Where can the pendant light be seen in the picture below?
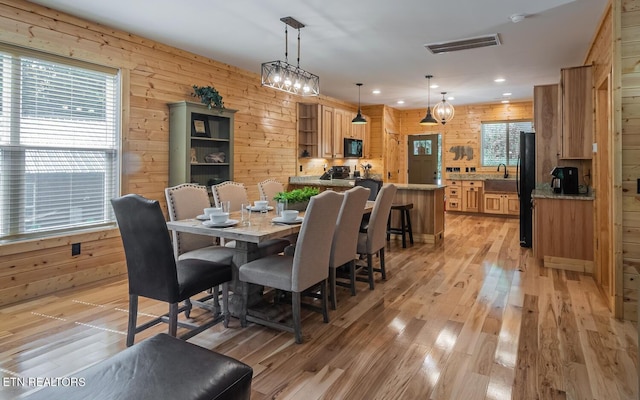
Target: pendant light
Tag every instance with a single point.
(443, 111)
(428, 119)
(359, 119)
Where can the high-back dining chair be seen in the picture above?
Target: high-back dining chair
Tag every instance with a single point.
(269, 189)
(306, 268)
(188, 201)
(373, 240)
(153, 271)
(345, 240)
(373, 185)
(236, 194)
(233, 192)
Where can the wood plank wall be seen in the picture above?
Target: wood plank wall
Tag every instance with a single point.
(630, 77)
(464, 129)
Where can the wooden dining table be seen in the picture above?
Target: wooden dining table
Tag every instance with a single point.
(247, 238)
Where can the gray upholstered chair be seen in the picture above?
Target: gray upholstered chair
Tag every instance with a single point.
(269, 189)
(153, 271)
(306, 268)
(236, 194)
(373, 185)
(345, 240)
(373, 240)
(188, 201)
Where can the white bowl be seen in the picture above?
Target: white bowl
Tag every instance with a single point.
(289, 215)
(219, 218)
(212, 210)
(261, 204)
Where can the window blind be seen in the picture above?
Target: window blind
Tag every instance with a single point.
(59, 144)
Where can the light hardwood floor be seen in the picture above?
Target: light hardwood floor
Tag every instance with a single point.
(473, 318)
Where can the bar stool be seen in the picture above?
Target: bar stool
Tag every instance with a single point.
(405, 221)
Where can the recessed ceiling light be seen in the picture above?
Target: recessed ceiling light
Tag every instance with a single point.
(400, 101)
(375, 91)
(505, 101)
(451, 98)
(434, 86)
(499, 80)
(506, 94)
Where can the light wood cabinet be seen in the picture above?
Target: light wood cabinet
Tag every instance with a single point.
(453, 193)
(200, 144)
(309, 130)
(563, 230)
(546, 110)
(501, 203)
(472, 196)
(576, 87)
(326, 139)
(341, 129)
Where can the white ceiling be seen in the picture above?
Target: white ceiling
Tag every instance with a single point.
(379, 43)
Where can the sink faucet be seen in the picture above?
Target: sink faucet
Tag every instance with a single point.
(506, 173)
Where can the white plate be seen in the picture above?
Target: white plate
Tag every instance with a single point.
(203, 217)
(253, 208)
(211, 224)
(280, 220)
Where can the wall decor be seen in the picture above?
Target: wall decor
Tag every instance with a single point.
(462, 152)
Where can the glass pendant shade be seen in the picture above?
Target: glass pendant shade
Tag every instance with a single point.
(359, 119)
(443, 111)
(428, 119)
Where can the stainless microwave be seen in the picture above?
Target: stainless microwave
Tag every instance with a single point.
(352, 148)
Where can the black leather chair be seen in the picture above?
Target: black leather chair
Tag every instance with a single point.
(153, 271)
(161, 367)
(373, 185)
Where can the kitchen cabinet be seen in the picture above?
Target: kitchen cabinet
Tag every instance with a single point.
(472, 196)
(576, 87)
(453, 194)
(546, 105)
(200, 144)
(327, 138)
(501, 203)
(341, 128)
(309, 130)
(563, 232)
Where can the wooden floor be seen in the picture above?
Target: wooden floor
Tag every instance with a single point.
(472, 318)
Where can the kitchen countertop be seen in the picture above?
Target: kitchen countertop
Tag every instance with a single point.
(315, 181)
(545, 192)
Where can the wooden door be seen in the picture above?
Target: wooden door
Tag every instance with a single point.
(493, 203)
(470, 199)
(423, 158)
(512, 204)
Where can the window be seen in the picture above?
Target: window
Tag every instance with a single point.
(59, 135)
(501, 142)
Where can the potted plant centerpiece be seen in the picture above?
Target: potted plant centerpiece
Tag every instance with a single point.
(297, 199)
(208, 96)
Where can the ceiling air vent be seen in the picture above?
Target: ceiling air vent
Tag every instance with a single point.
(464, 44)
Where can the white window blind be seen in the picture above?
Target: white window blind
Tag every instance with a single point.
(59, 135)
(501, 142)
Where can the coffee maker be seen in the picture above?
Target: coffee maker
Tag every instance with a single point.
(565, 180)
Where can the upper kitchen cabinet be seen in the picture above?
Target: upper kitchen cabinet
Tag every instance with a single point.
(309, 130)
(200, 144)
(546, 105)
(577, 113)
(362, 132)
(326, 139)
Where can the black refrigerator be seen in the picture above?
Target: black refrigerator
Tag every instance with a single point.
(526, 182)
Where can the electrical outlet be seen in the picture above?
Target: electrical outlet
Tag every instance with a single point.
(300, 167)
(638, 187)
(75, 249)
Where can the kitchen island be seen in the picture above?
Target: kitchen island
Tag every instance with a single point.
(427, 215)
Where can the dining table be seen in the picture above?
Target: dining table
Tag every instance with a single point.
(262, 227)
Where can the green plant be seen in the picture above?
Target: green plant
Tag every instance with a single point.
(208, 95)
(297, 195)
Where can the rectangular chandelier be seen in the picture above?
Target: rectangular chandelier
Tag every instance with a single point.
(281, 75)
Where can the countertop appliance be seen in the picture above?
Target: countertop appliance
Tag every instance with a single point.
(526, 183)
(337, 172)
(565, 180)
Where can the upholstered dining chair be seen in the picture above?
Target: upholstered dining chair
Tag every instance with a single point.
(236, 194)
(306, 268)
(373, 240)
(269, 189)
(153, 271)
(345, 240)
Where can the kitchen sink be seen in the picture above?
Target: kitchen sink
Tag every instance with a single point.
(500, 185)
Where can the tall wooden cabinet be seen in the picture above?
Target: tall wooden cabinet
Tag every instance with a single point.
(200, 144)
(576, 87)
(546, 107)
